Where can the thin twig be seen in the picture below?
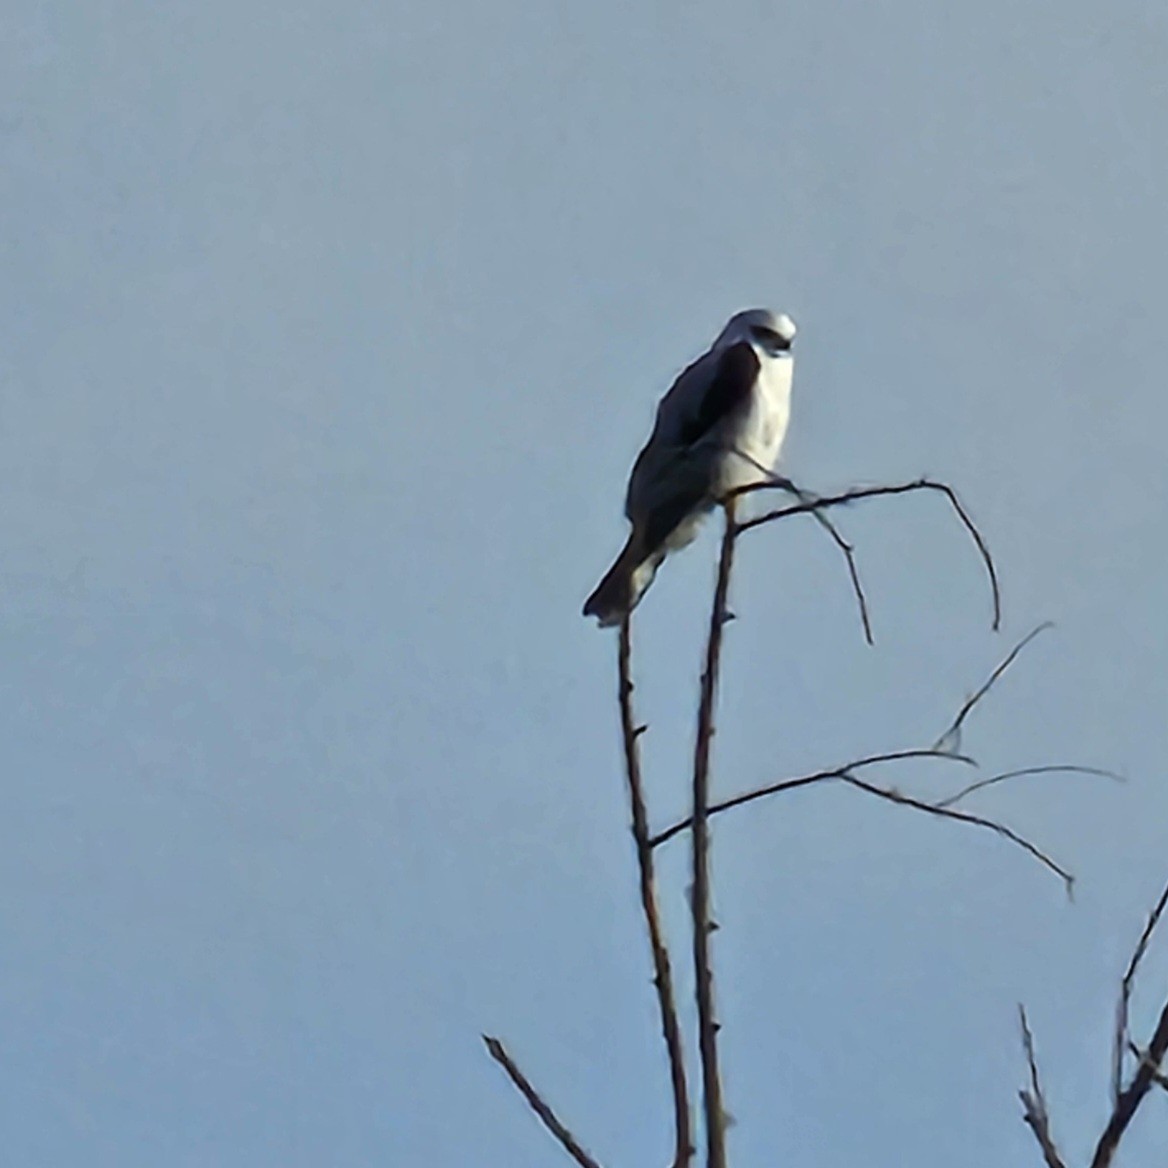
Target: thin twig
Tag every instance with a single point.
(965, 817)
(844, 775)
(943, 750)
(837, 538)
(826, 502)
(1005, 776)
(952, 736)
(1125, 992)
(662, 970)
(535, 1101)
(1034, 1102)
(806, 781)
(1142, 1057)
(700, 896)
(849, 552)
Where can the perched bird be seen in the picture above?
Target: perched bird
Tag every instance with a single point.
(719, 427)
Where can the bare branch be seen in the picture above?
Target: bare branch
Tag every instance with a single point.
(1125, 992)
(715, 1115)
(1001, 829)
(952, 736)
(844, 774)
(837, 538)
(1142, 944)
(1142, 1057)
(827, 502)
(943, 750)
(1005, 776)
(535, 1101)
(849, 552)
(1148, 1072)
(1133, 1095)
(1034, 1102)
(662, 970)
(808, 780)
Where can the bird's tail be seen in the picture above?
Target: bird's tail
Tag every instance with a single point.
(624, 583)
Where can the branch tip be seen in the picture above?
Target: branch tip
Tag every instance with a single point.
(536, 1102)
(818, 505)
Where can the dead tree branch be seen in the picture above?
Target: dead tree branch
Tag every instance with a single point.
(1126, 986)
(1055, 768)
(535, 1101)
(894, 796)
(837, 538)
(703, 925)
(1127, 1099)
(1133, 1095)
(1148, 1070)
(662, 969)
(1142, 1056)
(1034, 1110)
(946, 749)
(827, 502)
(951, 738)
(942, 808)
(807, 781)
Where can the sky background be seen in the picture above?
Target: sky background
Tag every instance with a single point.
(328, 334)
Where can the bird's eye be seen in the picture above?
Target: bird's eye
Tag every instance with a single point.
(770, 338)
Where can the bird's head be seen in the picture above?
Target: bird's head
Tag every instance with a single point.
(772, 332)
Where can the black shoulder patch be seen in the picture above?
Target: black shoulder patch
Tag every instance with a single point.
(727, 392)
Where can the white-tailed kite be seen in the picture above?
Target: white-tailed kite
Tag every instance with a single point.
(719, 427)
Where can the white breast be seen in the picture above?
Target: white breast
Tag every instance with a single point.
(759, 436)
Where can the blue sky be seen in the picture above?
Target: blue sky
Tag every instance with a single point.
(328, 336)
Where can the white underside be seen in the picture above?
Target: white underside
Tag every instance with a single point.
(751, 447)
(745, 451)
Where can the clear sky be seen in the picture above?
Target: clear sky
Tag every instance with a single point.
(328, 333)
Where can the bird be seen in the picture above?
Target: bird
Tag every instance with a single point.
(720, 427)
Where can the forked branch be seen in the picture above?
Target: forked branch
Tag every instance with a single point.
(820, 504)
(942, 808)
(946, 749)
(951, 738)
(1147, 1072)
(824, 521)
(697, 823)
(807, 781)
(1126, 987)
(1126, 1097)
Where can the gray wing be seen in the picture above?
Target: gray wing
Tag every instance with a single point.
(669, 473)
